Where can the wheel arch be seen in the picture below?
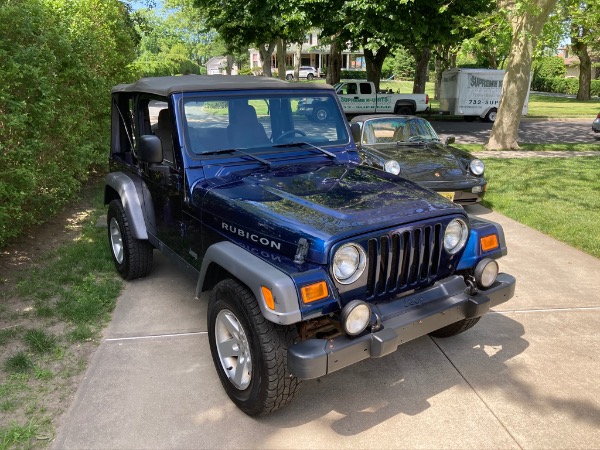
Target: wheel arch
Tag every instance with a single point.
(404, 103)
(227, 260)
(119, 186)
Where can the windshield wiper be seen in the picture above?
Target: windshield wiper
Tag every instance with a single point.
(234, 150)
(298, 144)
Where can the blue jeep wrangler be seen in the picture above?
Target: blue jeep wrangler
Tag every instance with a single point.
(314, 262)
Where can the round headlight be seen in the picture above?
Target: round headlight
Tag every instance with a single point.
(455, 236)
(349, 263)
(477, 167)
(392, 166)
(355, 317)
(486, 272)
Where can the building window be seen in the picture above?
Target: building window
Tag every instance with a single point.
(356, 62)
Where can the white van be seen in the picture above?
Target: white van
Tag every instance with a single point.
(473, 93)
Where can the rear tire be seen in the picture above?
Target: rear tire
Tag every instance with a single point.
(249, 352)
(404, 111)
(132, 257)
(456, 328)
(310, 76)
(491, 115)
(289, 77)
(320, 114)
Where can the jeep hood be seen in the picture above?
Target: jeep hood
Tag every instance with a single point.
(323, 204)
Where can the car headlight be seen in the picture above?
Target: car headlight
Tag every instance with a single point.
(477, 167)
(392, 166)
(349, 263)
(486, 273)
(455, 236)
(355, 317)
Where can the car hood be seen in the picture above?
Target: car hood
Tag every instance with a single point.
(425, 162)
(275, 208)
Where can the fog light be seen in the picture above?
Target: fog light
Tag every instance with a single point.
(356, 315)
(477, 189)
(486, 272)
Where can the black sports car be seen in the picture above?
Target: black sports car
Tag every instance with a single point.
(409, 147)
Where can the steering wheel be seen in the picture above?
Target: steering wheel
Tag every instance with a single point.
(288, 134)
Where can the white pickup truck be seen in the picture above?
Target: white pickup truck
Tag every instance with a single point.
(359, 97)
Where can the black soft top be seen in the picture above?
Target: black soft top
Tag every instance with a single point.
(202, 83)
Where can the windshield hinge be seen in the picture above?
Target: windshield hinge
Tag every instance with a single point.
(301, 251)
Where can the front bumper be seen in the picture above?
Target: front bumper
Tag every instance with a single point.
(402, 320)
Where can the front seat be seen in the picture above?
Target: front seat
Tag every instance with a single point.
(164, 131)
(244, 129)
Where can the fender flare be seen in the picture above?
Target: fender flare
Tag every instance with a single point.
(255, 273)
(129, 194)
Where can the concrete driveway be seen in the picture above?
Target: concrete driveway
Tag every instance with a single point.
(525, 377)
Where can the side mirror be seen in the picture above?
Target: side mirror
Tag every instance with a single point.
(449, 140)
(150, 149)
(355, 128)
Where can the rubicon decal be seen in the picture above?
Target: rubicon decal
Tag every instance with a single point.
(251, 236)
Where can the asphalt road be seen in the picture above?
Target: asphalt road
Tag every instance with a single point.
(530, 131)
(526, 377)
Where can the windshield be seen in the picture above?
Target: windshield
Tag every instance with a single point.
(265, 120)
(398, 129)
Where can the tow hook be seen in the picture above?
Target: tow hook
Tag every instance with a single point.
(471, 285)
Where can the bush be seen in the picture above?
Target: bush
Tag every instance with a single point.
(561, 85)
(59, 62)
(546, 73)
(353, 75)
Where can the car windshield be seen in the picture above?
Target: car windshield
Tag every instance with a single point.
(259, 122)
(398, 129)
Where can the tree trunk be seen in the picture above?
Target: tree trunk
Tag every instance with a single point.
(229, 65)
(334, 70)
(580, 48)
(526, 27)
(265, 52)
(281, 57)
(422, 57)
(491, 57)
(438, 63)
(375, 63)
(297, 60)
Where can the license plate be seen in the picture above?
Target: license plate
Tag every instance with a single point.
(448, 195)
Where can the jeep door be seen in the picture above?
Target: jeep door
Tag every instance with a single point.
(164, 180)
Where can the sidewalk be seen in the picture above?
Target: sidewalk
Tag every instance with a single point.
(524, 377)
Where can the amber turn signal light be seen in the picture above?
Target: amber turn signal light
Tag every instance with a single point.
(268, 296)
(314, 292)
(489, 242)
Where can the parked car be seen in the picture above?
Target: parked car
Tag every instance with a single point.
(313, 261)
(596, 124)
(408, 146)
(307, 72)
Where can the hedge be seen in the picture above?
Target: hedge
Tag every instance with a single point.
(59, 60)
(561, 85)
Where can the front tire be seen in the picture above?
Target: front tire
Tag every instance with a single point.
(132, 257)
(289, 77)
(456, 328)
(310, 76)
(248, 351)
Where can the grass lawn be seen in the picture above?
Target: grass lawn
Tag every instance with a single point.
(546, 106)
(51, 315)
(566, 147)
(557, 196)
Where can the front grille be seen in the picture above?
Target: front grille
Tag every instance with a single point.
(403, 260)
